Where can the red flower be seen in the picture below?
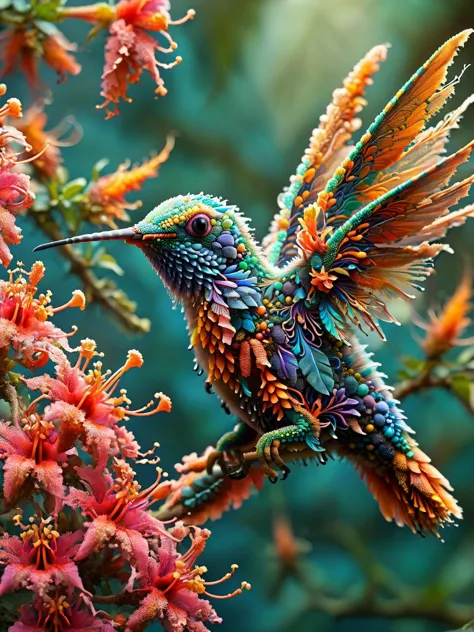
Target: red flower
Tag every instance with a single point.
(18, 51)
(24, 323)
(22, 47)
(130, 49)
(118, 512)
(31, 453)
(56, 49)
(56, 615)
(15, 195)
(39, 559)
(175, 585)
(86, 406)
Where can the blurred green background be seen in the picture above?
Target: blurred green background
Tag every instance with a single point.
(256, 76)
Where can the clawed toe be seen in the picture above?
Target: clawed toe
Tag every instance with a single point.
(270, 459)
(285, 472)
(216, 456)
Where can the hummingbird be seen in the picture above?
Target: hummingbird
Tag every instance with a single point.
(276, 327)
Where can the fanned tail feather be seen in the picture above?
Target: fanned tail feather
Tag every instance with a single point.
(410, 491)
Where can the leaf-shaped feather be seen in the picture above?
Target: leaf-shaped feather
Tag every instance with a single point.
(314, 365)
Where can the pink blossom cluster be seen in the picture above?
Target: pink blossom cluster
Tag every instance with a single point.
(82, 535)
(15, 193)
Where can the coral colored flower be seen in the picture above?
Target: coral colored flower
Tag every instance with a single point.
(22, 48)
(15, 195)
(322, 280)
(445, 331)
(175, 586)
(24, 323)
(186, 500)
(39, 559)
(57, 615)
(106, 197)
(312, 238)
(117, 509)
(86, 406)
(130, 50)
(30, 454)
(45, 144)
(56, 53)
(17, 51)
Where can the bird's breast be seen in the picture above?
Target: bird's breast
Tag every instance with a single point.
(222, 390)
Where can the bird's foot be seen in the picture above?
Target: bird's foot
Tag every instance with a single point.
(237, 468)
(268, 446)
(229, 452)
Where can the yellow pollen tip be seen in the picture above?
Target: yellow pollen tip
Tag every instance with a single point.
(15, 109)
(37, 272)
(78, 300)
(88, 348)
(134, 359)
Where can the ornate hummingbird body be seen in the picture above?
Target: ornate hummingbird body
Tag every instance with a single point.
(275, 328)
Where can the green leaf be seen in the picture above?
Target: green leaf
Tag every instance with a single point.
(463, 388)
(403, 375)
(466, 356)
(97, 168)
(73, 187)
(70, 215)
(414, 364)
(108, 262)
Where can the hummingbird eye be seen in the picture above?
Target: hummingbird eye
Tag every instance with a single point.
(199, 226)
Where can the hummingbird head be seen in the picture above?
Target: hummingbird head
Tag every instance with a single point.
(189, 239)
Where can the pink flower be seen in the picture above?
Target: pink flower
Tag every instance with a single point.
(24, 323)
(57, 615)
(175, 587)
(15, 196)
(118, 512)
(30, 453)
(86, 406)
(39, 559)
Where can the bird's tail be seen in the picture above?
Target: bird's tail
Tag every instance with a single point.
(409, 490)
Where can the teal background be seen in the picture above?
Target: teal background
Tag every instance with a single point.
(256, 76)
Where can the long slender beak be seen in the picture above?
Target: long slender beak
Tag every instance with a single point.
(125, 234)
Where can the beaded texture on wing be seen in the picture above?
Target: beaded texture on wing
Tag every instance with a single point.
(366, 239)
(327, 147)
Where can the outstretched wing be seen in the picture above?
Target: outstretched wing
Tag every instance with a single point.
(358, 180)
(393, 150)
(383, 250)
(327, 148)
(367, 237)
